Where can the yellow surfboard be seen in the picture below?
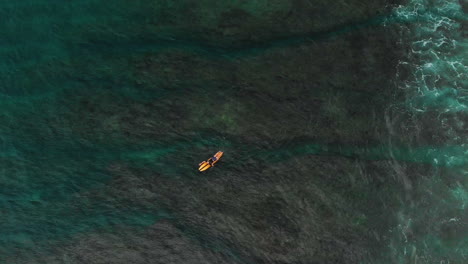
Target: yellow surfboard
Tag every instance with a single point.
(204, 165)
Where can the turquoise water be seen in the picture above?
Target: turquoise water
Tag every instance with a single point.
(343, 126)
(436, 96)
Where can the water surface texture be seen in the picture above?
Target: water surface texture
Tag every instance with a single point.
(344, 127)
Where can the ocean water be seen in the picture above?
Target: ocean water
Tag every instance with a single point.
(343, 126)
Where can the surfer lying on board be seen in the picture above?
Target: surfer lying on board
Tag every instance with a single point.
(204, 165)
(212, 160)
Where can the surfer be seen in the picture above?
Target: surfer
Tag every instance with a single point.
(204, 165)
(212, 161)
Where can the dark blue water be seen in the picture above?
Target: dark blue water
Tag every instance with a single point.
(343, 127)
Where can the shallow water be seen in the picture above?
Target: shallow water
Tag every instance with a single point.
(343, 127)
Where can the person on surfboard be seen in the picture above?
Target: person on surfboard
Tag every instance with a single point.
(204, 165)
(212, 160)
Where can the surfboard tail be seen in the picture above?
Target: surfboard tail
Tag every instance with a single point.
(204, 166)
